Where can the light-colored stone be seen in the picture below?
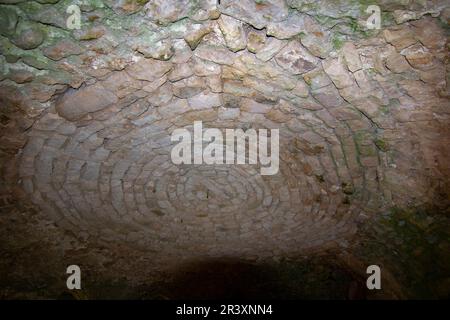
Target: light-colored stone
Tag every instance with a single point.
(196, 34)
(251, 106)
(166, 11)
(233, 33)
(256, 13)
(271, 47)
(316, 78)
(205, 100)
(215, 54)
(160, 50)
(351, 57)
(255, 40)
(295, 59)
(338, 73)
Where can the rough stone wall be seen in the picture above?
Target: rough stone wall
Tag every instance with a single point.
(86, 118)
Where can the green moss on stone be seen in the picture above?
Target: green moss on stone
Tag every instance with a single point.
(338, 42)
(415, 245)
(381, 144)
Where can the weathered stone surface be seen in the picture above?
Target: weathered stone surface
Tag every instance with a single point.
(121, 84)
(312, 35)
(369, 107)
(167, 11)
(397, 63)
(277, 116)
(62, 49)
(161, 95)
(271, 47)
(233, 33)
(20, 76)
(160, 50)
(215, 83)
(400, 39)
(182, 51)
(418, 56)
(189, 87)
(351, 57)
(295, 59)
(255, 40)
(204, 68)
(338, 73)
(90, 33)
(149, 69)
(300, 89)
(316, 79)
(328, 96)
(49, 15)
(429, 33)
(402, 16)
(215, 54)
(196, 34)
(228, 113)
(8, 21)
(205, 100)
(336, 9)
(180, 71)
(363, 81)
(125, 6)
(288, 28)
(256, 13)
(252, 106)
(75, 104)
(163, 11)
(28, 35)
(153, 86)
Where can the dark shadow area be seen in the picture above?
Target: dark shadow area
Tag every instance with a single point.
(234, 279)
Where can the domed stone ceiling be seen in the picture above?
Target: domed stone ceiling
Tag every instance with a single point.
(88, 113)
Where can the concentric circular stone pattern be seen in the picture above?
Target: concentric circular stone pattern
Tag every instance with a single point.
(87, 117)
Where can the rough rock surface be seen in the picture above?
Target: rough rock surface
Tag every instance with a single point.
(75, 104)
(86, 117)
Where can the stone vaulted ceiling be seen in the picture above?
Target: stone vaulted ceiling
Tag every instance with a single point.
(87, 114)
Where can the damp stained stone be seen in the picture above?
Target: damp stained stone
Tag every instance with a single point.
(62, 49)
(8, 21)
(28, 35)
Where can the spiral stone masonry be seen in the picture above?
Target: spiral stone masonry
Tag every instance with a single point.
(87, 116)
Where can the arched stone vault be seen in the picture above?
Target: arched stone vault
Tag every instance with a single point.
(87, 116)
